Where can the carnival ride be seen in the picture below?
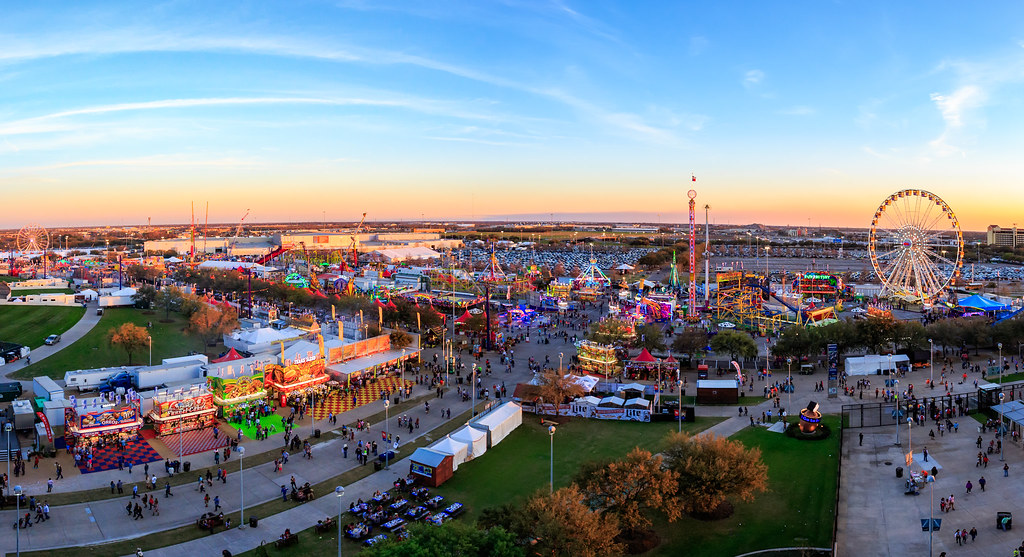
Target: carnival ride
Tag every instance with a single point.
(33, 237)
(910, 234)
(741, 299)
(591, 282)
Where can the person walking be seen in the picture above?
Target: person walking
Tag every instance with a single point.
(206, 500)
(1006, 470)
(981, 483)
(969, 486)
(216, 503)
(167, 490)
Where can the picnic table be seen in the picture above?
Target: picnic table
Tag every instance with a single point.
(324, 525)
(397, 506)
(434, 502)
(357, 532)
(383, 497)
(439, 518)
(420, 493)
(393, 524)
(454, 509)
(210, 520)
(375, 540)
(416, 512)
(285, 541)
(360, 508)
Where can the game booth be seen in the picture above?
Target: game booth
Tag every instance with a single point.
(431, 468)
(103, 420)
(183, 409)
(301, 372)
(643, 366)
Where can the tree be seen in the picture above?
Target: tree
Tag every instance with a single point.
(452, 539)
(208, 323)
(168, 299)
(610, 331)
(690, 342)
(558, 524)
(736, 344)
(628, 488)
(129, 337)
(555, 388)
(710, 468)
(400, 339)
(144, 297)
(650, 337)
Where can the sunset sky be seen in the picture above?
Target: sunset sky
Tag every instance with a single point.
(787, 112)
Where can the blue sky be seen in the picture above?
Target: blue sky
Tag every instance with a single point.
(787, 112)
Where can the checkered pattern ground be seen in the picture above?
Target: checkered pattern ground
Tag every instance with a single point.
(196, 441)
(138, 452)
(338, 403)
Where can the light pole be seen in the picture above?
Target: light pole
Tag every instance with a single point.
(680, 409)
(931, 511)
(387, 431)
(910, 442)
(999, 432)
(448, 362)
(551, 435)
(339, 492)
(241, 484)
(931, 362)
(789, 366)
(896, 399)
(8, 427)
(472, 387)
(559, 363)
(401, 366)
(1000, 362)
(150, 337)
(17, 529)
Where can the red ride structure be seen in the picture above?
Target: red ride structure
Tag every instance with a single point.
(691, 309)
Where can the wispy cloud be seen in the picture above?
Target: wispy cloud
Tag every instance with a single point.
(953, 108)
(152, 161)
(798, 110)
(752, 78)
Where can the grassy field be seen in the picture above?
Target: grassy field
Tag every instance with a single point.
(93, 350)
(797, 511)
(30, 325)
(30, 291)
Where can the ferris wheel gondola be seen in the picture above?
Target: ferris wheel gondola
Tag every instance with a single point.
(915, 245)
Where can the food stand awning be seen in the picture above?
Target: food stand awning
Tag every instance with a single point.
(644, 357)
(359, 365)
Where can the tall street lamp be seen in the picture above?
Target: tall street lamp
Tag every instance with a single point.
(387, 430)
(999, 432)
(339, 492)
(679, 411)
(241, 484)
(150, 337)
(472, 387)
(789, 366)
(931, 362)
(896, 399)
(559, 363)
(17, 528)
(8, 427)
(551, 434)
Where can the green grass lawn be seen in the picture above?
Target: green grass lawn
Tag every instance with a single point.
(30, 325)
(93, 350)
(29, 291)
(798, 510)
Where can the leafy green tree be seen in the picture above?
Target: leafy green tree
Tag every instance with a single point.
(691, 342)
(734, 343)
(169, 299)
(630, 488)
(144, 296)
(650, 337)
(877, 334)
(129, 337)
(452, 539)
(611, 331)
(710, 468)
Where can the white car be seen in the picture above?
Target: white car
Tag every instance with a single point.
(51, 340)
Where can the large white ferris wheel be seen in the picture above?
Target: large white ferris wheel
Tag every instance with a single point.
(915, 244)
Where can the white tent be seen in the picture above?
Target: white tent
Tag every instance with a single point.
(612, 401)
(475, 438)
(638, 402)
(624, 267)
(875, 364)
(499, 422)
(89, 294)
(457, 449)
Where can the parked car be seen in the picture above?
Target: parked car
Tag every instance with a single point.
(51, 340)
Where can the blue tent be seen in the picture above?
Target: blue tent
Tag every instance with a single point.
(981, 303)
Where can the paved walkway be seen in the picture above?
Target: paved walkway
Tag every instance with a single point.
(84, 325)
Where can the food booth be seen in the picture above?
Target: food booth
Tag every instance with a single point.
(107, 419)
(302, 371)
(183, 409)
(237, 384)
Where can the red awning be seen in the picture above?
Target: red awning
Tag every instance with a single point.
(670, 359)
(464, 317)
(231, 355)
(645, 357)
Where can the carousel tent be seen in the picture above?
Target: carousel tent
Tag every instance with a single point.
(458, 450)
(474, 438)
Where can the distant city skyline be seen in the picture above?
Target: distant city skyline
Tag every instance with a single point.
(115, 113)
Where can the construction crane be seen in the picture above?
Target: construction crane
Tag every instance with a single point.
(238, 230)
(355, 253)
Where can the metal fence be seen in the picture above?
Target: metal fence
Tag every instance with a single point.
(876, 414)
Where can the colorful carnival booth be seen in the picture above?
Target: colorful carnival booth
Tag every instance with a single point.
(238, 384)
(105, 419)
(183, 409)
(643, 366)
(302, 371)
(597, 358)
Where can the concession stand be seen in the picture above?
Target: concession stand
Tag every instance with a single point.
(302, 371)
(104, 419)
(237, 384)
(183, 409)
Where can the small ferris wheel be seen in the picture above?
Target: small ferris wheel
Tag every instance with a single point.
(33, 237)
(915, 245)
